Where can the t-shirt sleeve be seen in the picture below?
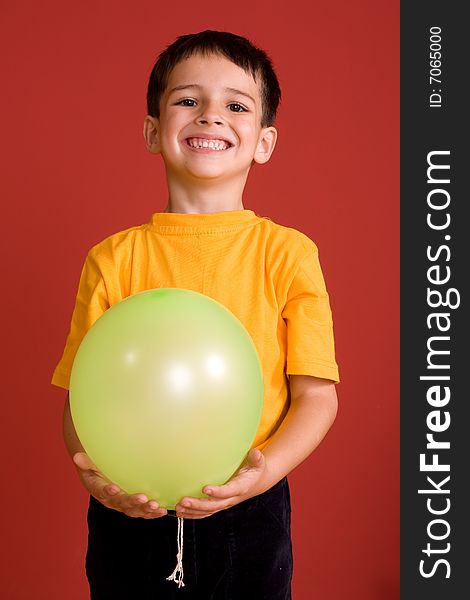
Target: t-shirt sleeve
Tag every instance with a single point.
(91, 303)
(310, 341)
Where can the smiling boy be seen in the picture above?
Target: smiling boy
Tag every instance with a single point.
(209, 133)
(212, 100)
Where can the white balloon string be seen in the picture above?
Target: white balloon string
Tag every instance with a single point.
(177, 575)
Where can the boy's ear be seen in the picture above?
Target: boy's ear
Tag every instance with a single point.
(151, 134)
(267, 141)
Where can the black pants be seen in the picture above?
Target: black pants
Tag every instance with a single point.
(242, 553)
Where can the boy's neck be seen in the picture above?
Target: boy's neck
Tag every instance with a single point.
(204, 198)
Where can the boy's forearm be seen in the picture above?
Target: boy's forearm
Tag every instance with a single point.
(70, 435)
(309, 418)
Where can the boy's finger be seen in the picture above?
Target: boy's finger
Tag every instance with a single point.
(157, 511)
(83, 461)
(190, 506)
(139, 513)
(112, 489)
(126, 501)
(234, 487)
(200, 512)
(138, 499)
(153, 515)
(255, 458)
(147, 510)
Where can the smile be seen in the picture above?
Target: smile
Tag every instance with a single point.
(206, 144)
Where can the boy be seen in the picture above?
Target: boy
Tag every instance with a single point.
(212, 100)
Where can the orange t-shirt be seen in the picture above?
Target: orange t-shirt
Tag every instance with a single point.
(267, 274)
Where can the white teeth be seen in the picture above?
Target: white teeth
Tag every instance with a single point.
(204, 143)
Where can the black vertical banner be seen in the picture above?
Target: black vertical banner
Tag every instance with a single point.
(435, 267)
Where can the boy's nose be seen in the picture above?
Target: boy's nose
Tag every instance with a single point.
(207, 120)
(209, 115)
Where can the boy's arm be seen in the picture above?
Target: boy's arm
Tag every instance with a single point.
(109, 494)
(312, 411)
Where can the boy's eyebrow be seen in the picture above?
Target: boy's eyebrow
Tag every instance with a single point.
(195, 85)
(234, 91)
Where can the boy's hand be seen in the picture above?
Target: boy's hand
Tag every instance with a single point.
(245, 484)
(109, 494)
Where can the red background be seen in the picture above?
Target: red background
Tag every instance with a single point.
(76, 170)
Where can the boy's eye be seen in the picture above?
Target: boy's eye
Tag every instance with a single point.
(187, 102)
(235, 107)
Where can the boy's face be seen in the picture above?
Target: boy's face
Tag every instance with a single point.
(210, 121)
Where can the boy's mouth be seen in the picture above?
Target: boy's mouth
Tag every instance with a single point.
(208, 144)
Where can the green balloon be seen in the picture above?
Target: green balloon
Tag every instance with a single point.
(166, 394)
